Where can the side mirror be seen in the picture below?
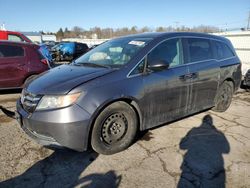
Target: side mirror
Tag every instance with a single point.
(158, 65)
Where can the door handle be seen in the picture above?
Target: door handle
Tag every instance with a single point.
(195, 75)
(188, 76)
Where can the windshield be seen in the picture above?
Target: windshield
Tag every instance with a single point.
(114, 53)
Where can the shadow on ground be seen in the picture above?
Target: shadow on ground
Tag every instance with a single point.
(203, 164)
(63, 169)
(10, 91)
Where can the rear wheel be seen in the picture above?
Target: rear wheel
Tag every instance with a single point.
(224, 97)
(114, 129)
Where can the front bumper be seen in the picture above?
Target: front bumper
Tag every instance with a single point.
(66, 127)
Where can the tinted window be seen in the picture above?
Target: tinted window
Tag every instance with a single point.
(222, 50)
(199, 49)
(11, 51)
(168, 51)
(14, 38)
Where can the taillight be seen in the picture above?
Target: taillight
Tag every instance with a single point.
(44, 61)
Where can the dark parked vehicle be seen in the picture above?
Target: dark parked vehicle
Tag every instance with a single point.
(247, 79)
(129, 84)
(67, 51)
(19, 62)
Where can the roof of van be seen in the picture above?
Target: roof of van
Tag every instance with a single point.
(174, 34)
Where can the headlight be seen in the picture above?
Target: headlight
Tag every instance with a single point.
(52, 102)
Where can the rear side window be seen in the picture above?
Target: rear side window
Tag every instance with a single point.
(15, 38)
(11, 51)
(222, 50)
(199, 49)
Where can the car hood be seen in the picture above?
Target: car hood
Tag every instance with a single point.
(64, 78)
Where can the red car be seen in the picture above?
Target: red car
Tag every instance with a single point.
(13, 36)
(19, 61)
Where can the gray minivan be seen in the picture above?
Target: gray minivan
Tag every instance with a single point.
(126, 85)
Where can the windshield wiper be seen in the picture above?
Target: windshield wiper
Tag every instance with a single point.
(91, 65)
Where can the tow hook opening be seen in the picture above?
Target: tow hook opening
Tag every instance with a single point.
(8, 113)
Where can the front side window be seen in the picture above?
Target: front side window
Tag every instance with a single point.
(15, 38)
(168, 51)
(223, 51)
(199, 49)
(114, 53)
(11, 51)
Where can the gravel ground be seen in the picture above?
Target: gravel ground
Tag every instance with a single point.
(205, 150)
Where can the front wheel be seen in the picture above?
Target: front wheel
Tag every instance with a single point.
(114, 129)
(224, 97)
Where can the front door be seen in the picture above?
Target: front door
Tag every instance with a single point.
(166, 91)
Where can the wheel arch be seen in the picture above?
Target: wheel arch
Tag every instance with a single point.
(230, 80)
(129, 100)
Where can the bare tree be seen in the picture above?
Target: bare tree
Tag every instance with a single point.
(78, 32)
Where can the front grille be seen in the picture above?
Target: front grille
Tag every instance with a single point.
(29, 100)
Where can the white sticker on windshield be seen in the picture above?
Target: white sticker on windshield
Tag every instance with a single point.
(137, 43)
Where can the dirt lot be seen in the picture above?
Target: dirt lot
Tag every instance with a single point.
(205, 150)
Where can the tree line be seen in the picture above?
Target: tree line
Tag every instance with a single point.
(106, 33)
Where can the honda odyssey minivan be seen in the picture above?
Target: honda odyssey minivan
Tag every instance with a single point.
(126, 85)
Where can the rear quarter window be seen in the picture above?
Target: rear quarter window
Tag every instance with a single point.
(11, 51)
(222, 51)
(199, 49)
(15, 38)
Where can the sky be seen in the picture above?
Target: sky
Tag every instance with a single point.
(50, 15)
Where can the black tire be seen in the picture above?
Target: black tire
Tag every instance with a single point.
(224, 97)
(114, 129)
